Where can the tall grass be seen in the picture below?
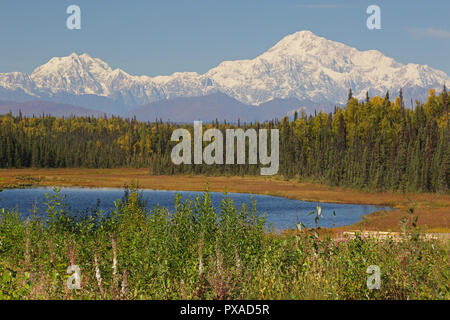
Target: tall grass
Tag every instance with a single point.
(197, 252)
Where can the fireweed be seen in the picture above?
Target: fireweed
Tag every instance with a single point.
(195, 251)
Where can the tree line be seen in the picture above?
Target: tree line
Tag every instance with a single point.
(375, 144)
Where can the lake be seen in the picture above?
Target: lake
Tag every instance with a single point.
(282, 213)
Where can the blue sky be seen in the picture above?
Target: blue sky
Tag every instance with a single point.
(155, 37)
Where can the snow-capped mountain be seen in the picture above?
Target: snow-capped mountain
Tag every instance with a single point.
(301, 66)
(305, 66)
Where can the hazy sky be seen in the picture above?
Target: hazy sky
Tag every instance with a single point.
(161, 37)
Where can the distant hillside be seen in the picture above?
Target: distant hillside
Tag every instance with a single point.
(38, 108)
(219, 106)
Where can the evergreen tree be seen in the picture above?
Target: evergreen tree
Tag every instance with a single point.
(369, 146)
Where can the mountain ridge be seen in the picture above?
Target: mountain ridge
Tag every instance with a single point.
(38, 108)
(221, 107)
(300, 66)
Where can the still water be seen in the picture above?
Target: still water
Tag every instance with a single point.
(280, 212)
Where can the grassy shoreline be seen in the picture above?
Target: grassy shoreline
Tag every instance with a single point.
(202, 252)
(433, 209)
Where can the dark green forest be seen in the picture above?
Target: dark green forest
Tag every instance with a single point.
(375, 144)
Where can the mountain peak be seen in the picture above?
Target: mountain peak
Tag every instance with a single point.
(305, 42)
(82, 57)
(77, 74)
(302, 65)
(303, 35)
(72, 61)
(299, 37)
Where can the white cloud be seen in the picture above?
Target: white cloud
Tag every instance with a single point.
(429, 32)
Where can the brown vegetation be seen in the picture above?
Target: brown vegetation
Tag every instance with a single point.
(433, 209)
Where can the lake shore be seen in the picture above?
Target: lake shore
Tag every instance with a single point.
(433, 210)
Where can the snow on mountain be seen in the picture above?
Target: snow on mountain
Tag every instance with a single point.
(305, 66)
(17, 81)
(302, 66)
(73, 74)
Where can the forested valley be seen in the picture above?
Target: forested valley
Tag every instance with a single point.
(375, 144)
